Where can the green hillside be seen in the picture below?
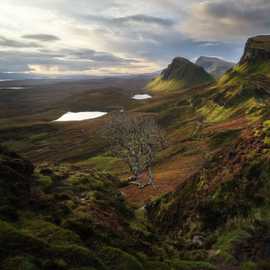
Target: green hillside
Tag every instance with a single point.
(180, 74)
(209, 210)
(224, 208)
(242, 90)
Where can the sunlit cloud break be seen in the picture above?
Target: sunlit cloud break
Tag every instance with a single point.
(109, 37)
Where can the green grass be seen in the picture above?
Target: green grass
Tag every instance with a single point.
(116, 259)
(192, 265)
(154, 265)
(106, 163)
(215, 113)
(158, 84)
(226, 240)
(242, 72)
(266, 131)
(19, 263)
(102, 162)
(249, 266)
(224, 138)
(251, 108)
(241, 91)
(49, 232)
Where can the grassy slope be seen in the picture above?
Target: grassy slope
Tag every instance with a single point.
(180, 76)
(227, 202)
(243, 90)
(177, 113)
(158, 84)
(191, 121)
(28, 129)
(192, 135)
(179, 116)
(228, 206)
(67, 218)
(207, 127)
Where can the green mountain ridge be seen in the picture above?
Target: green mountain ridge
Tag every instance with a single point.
(244, 89)
(256, 49)
(180, 74)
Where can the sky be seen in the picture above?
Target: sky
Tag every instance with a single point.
(108, 37)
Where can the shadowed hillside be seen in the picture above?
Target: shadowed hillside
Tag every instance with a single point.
(215, 66)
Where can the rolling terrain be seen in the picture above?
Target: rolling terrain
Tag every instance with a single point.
(26, 115)
(209, 208)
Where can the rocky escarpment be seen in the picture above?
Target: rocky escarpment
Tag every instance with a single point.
(181, 73)
(244, 89)
(180, 68)
(257, 49)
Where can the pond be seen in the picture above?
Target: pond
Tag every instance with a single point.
(141, 97)
(80, 116)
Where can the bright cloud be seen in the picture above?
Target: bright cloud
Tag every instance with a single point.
(117, 36)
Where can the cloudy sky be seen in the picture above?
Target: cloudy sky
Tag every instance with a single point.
(119, 36)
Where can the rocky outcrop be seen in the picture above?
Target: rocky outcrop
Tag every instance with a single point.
(257, 49)
(180, 74)
(183, 69)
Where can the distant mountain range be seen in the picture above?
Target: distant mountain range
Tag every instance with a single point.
(180, 74)
(215, 66)
(29, 76)
(20, 76)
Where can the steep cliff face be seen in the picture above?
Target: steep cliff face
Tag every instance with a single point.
(181, 68)
(257, 49)
(181, 73)
(245, 89)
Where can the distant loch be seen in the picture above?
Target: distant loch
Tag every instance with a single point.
(79, 116)
(141, 96)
